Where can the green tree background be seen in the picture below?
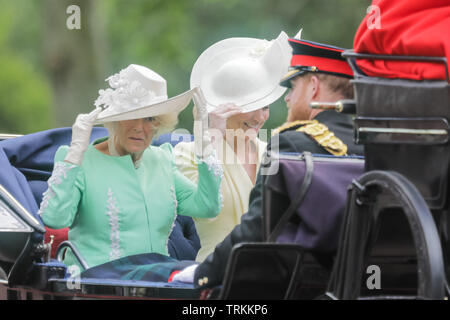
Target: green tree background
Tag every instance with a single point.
(49, 74)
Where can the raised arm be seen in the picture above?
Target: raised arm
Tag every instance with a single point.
(60, 202)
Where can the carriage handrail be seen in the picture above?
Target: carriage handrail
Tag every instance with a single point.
(75, 252)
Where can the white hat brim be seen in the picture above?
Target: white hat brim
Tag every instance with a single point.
(264, 101)
(173, 105)
(211, 59)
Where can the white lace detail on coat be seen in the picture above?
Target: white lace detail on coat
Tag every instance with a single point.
(220, 198)
(113, 214)
(216, 168)
(213, 165)
(59, 172)
(175, 202)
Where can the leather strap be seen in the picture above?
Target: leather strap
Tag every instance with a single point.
(299, 196)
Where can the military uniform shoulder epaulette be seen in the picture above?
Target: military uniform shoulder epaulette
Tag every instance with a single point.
(324, 137)
(291, 126)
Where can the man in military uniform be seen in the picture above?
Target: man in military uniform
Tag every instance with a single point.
(318, 73)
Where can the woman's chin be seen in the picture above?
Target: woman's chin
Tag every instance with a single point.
(252, 132)
(136, 149)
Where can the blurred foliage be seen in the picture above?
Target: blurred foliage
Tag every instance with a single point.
(165, 35)
(25, 94)
(25, 97)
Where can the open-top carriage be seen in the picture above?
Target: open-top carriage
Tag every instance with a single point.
(334, 227)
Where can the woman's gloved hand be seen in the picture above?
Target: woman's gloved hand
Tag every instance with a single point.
(216, 119)
(81, 133)
(219, 116)
(202, 139)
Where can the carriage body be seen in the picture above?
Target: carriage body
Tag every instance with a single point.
(401, 202)
(404, 127)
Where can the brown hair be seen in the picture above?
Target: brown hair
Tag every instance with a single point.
(164, 123)
(336, 84)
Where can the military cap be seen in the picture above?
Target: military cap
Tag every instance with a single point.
(308, 56)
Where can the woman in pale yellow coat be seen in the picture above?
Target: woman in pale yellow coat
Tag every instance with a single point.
(239, 79)
(240, 152)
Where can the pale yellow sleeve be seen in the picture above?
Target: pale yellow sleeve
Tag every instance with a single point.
(185, 160)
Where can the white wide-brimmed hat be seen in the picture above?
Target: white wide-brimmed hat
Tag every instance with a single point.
(243, 71)
(137, 92)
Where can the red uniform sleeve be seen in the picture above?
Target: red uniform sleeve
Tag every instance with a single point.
(405, 27)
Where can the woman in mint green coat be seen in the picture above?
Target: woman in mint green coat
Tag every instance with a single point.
(120, 196)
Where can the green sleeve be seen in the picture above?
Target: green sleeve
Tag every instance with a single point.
(204, 198)
(60, 202)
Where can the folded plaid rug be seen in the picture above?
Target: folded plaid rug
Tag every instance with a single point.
(153, 267)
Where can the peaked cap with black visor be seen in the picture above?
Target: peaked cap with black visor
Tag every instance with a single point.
(308, 56)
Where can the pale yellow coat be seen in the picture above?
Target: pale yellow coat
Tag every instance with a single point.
(235, 187)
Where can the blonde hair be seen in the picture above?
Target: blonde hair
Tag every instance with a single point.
(166, 123)
(163, 124)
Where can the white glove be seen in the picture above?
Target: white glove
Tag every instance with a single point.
(219, 116)
(186, 275)
(81, 132)
(202, 139)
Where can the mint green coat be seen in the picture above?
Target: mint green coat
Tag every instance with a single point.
(114, 210)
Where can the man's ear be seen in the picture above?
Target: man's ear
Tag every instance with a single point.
(315, 87)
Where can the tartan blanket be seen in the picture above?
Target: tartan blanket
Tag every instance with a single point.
(152, 267)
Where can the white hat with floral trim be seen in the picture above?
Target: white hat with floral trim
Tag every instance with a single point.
(243, 71)
(137, 92)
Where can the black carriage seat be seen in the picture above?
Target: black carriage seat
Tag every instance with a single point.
(397, 273)
(404, 127)
(296, 258)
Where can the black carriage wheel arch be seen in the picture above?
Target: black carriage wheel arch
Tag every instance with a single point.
(346, 275)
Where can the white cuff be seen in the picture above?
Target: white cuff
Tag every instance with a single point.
(186, 275)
